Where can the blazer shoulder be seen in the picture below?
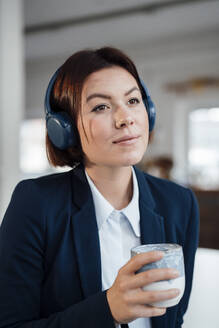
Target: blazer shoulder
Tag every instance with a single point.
(45, 183)
(166, 189)
(41, 192)
(164, 183)
(171, 197)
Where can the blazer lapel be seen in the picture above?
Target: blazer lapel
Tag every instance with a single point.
(151, 225)
(85, 232)
(151, 222)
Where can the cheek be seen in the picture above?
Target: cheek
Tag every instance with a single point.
(93, 132)
(143, 122)
(98, 131)
(81, 128)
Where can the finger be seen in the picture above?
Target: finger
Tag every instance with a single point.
(147, 311)
(147, 297)
(137, 261)
(147, 277)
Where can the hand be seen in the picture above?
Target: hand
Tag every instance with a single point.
(127, 300)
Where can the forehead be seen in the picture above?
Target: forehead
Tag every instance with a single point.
(108, 79)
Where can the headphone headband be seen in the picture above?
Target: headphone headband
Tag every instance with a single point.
(47, 106)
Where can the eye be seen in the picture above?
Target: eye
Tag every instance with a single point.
(99, 108)
(133, 101)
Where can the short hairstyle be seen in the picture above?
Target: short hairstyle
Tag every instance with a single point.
(67, 90)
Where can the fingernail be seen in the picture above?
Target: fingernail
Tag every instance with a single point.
(176, 291)
(159, 253)
(163, 310)
(175, 273)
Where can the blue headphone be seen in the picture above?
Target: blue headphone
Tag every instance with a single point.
(61, 129)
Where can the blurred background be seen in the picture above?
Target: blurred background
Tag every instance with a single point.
(175, 45)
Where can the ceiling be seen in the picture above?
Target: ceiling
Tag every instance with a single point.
(56, 28)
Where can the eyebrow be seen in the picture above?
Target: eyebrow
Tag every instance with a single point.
(100, 95)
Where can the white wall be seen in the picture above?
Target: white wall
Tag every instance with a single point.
(11, 95)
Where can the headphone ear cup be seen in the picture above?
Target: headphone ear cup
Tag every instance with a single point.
(61, 130)
(150, 107)
(151, 113)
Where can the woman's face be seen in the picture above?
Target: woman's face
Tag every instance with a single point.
(113, 125)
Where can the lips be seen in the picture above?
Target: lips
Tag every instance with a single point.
(125, 138)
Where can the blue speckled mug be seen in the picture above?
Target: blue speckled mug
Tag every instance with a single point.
(173, 258)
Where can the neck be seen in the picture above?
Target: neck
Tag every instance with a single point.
(115, 184)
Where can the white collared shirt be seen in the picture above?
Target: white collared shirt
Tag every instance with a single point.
(119, 231)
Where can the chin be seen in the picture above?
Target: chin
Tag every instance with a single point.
(132, 160)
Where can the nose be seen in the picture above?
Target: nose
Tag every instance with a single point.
(123, 118)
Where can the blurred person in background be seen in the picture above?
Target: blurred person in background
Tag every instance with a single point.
(65, 238)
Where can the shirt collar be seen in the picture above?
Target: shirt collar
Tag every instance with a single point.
(131, 211)
(103, 208)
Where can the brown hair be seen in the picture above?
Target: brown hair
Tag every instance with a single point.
(67, 90)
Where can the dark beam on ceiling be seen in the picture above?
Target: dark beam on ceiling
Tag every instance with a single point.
(109, 15)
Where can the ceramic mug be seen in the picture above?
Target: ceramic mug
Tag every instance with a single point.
(173, 258)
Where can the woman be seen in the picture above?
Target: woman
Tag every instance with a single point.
(66, 238)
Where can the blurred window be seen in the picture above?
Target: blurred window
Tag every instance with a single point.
(33, 159)
(204, 148)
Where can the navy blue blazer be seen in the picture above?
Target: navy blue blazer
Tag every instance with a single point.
(50, 267)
